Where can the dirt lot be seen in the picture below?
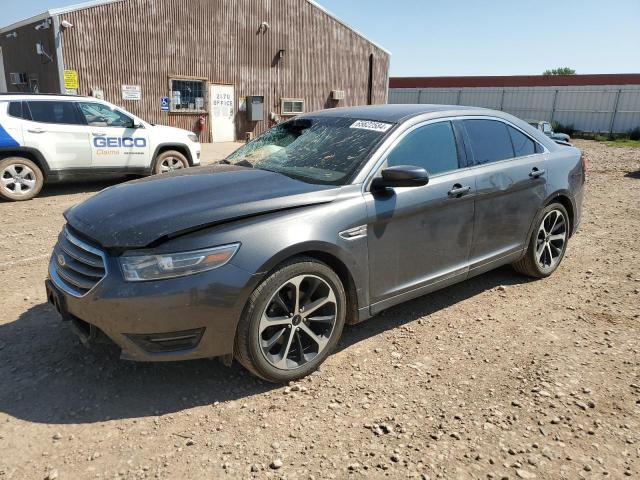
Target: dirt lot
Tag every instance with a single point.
(498, 377)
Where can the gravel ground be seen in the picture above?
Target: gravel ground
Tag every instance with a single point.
(497, 377)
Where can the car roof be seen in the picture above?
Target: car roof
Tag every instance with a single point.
(401, 113)
(398, 113)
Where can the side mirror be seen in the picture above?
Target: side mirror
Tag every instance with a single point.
(136, 124)
(400, 176)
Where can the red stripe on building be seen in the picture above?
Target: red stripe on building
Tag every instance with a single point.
(516, 81)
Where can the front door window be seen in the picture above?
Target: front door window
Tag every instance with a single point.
(432, 147)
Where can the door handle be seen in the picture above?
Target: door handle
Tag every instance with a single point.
(458, 191)
(35, 130)
(99, 134)
(536, 173)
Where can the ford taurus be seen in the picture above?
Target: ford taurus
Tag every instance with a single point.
(324, 220)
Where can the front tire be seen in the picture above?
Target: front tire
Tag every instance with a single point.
(170, 161)
(20, 179)
(292, 322)
(548, 243)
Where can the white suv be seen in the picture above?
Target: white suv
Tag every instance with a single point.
(46, 138)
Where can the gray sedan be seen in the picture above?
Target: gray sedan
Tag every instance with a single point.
(325, 220)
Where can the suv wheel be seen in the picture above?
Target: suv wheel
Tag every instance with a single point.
(20, 179)
(292, 322)
(548, 243)
(169, 161)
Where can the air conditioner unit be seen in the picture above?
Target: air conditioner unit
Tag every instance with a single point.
(338, 95)
(18, 78)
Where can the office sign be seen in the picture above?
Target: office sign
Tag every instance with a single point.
(131, 92)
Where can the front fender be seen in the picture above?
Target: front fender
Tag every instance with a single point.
(353, 261)
(307, 248)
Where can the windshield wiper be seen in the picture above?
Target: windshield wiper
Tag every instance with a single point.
(286, 174)
(270, 170)
(293, 176)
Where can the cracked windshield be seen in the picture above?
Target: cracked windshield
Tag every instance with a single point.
(323, 150)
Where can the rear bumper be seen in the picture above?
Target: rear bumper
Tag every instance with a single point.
(176, 319)
(578, 200)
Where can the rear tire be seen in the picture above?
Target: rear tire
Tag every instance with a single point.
(548, 243)
(279, 341)
(170, 161)
(20, 179)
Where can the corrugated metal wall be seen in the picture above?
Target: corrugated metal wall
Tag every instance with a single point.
(144, 42)
(19, 56)
(589, 109)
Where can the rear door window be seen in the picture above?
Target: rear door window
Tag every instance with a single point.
(432, 147)
(522, 145)
(55, 112)
(490, 141)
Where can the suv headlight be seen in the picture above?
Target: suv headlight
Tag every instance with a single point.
(141, 268)
(193, 137)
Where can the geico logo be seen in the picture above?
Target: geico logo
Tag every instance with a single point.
(102, 142)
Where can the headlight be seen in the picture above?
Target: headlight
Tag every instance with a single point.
(140, 268)
(193, 137)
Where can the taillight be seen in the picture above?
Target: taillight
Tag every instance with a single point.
(583, 161)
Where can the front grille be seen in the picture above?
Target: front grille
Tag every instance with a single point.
(77, 266)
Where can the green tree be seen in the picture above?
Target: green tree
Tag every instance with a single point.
(560, 71)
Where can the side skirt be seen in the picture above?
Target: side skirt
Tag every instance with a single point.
(417, 292)
(374, 309)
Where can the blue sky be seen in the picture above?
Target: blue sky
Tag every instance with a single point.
(477, 37)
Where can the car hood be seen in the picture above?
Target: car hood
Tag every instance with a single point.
(138, 213)
(163, 130)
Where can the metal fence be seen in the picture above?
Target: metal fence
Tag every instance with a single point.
(603, 109)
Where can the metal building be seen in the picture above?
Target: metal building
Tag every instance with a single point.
(588, 103)
(232, 66)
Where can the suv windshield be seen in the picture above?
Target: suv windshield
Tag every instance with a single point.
(325, 150)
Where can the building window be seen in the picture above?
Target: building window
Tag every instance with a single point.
(187, 95)
(292, 106)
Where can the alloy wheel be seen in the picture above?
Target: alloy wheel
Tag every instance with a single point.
(551, 240)
(297, 322)
(18, 179)
(170, 164)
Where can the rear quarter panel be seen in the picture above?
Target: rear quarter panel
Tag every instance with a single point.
(566, 178)
(10, 129)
